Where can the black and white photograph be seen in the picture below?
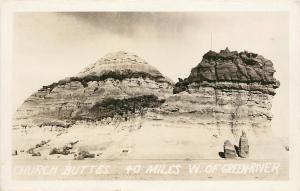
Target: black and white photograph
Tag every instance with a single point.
(146, 95)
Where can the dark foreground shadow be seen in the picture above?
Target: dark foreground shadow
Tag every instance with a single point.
(222, 155)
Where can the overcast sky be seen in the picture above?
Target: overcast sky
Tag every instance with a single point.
(51, 46)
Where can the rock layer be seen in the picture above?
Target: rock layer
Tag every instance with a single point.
(119, 76)
(140, 117)
(232, 70)
(227, 90)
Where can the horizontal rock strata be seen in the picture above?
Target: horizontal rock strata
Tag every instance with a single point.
(68, 99)
(226, 90)
(229, 89)
(232, 70)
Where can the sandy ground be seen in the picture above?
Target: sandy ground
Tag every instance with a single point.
(128, 144)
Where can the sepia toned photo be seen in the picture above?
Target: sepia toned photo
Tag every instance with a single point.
(149, 95)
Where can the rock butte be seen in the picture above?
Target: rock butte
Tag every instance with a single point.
(117, 78)
(228, 91)
(121, 62)
(232, 70)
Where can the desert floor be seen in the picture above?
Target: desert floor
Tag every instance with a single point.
(151, 151)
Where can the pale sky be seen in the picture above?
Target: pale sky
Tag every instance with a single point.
(51, 46)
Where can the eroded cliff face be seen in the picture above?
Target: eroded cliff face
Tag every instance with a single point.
(241, 71)
(122, 103)
(227, 90)
(116, 78)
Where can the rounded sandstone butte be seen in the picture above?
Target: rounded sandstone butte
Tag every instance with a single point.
(118, 78)
(228, 68)
(123, 64)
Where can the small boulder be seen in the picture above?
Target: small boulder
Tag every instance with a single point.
(67, 147)
(65, 151)
(30, 151)
(14, 153)
(83, 154)
(243, 146)
(36, 154)
(125, 151)
(43, 142)
(98, 154)
(54, 151)
(229, 150)
(79, 157)
(287, 148)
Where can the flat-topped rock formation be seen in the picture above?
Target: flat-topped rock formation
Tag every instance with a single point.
(226, 90)
(232, 70)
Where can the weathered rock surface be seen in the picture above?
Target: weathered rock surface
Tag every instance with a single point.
(109, 84)
(227, 90)
(243, 146)
(244, 70)
(83, 154)
(229, 150)
(122, 107)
